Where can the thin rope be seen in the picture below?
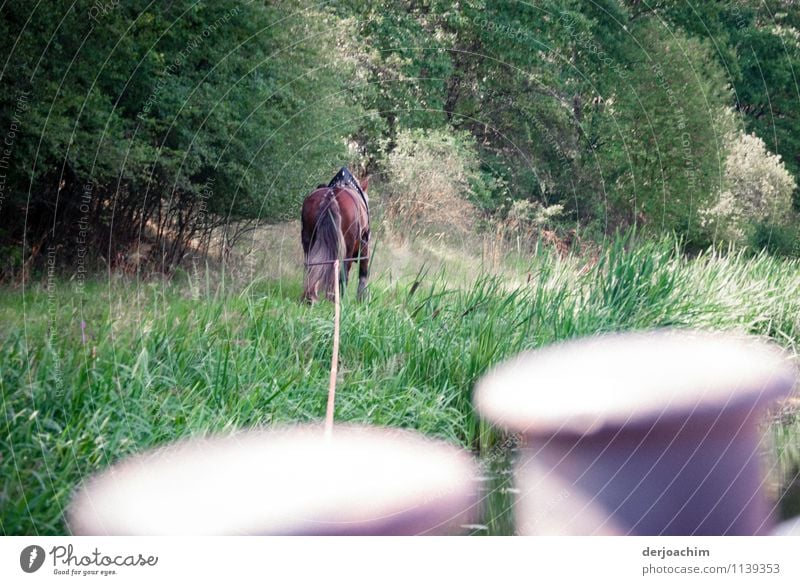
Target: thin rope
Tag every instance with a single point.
(334, 358)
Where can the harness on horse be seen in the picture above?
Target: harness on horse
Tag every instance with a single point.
(346, 178)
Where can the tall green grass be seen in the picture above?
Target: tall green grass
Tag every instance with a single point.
(164, 361)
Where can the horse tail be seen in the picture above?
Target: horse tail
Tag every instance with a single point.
(326, 247)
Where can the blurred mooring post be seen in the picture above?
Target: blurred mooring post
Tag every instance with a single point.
(640, 433)
(294, 480)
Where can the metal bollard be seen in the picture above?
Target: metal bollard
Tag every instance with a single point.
(360, 481)
(640, 433)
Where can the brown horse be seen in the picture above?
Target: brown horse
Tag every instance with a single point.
(335, 225)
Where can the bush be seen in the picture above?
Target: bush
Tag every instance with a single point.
(755, 206)
(427, 181)
(778, 240)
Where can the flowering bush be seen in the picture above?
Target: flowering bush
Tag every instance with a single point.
(428, 175)
(757, 190)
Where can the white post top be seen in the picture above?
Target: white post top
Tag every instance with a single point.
(285, 481)
(632, 380)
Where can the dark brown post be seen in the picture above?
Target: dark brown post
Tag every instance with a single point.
(640, 433)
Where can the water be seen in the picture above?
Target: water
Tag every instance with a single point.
(497, 494)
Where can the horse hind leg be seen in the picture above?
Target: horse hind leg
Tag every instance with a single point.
(311, 294)
(344, 277)
(363, 270)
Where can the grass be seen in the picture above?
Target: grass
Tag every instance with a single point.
(163, 361)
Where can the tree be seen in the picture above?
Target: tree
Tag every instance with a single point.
(662, 132)
(162, 122)
(757, 45)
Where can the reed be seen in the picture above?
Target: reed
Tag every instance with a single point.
(155, 363)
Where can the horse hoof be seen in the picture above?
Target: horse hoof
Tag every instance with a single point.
(362, 294)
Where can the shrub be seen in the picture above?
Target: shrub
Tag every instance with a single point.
(757, 194)
(778, 240)
(427, 180)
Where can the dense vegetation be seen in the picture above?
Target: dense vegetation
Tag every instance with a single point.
(137, 137)
(137, 128)
(142, 366)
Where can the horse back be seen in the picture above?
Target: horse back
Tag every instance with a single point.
(355, 220)
(354, 217)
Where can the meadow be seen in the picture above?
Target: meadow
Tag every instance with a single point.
(91, 374)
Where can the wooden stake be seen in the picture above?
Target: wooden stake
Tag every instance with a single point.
(335, 357)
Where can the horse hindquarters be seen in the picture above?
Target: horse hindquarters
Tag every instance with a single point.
(323, 234)
(355, 230)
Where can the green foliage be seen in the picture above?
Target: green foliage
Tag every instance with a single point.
(757, 44)
(160, 362)
(777, 239)
(427, 179)
(617, 119)
(175, 117)
(757, 191)
(140, 129)
(177, 123)
(659, 133)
